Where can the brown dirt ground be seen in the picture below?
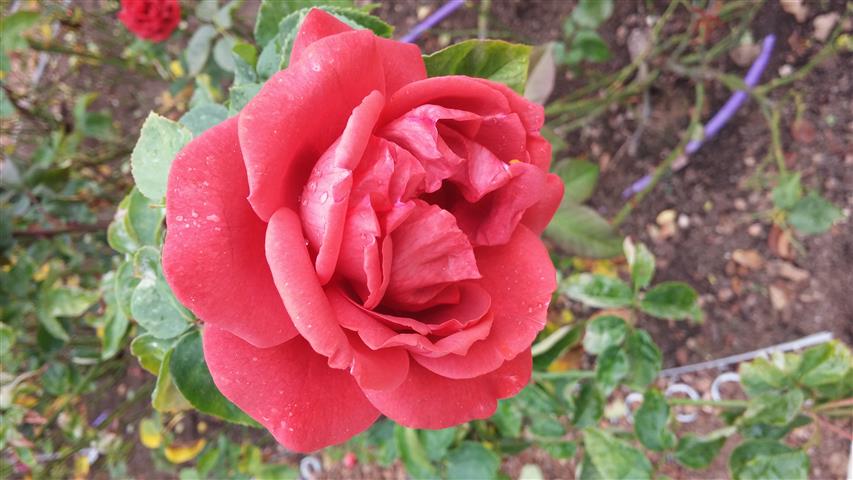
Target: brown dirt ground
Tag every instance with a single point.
(715, 192)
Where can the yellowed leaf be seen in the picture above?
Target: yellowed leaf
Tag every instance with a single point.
(184, 453)
(150, 434)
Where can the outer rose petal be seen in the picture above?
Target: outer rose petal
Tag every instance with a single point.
(427, 400)
(317, 24)
(520, 278)
(295, 118)
(297, 282)
(402, 62)
(213, 257)
(539, 215)
(289, 389)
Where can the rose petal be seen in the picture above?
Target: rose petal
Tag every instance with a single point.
(455, 91)
(492, 220)
(294, 118)
(317, 24)
(520, 278)
(326, 196)
(429, 251)
(538, 216)
(382, 369)
(428, 400)
(401, 62)
(300, 289)
(377, 335)
(289, 389)
(213, 256)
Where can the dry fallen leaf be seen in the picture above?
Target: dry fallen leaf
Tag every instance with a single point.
(778, 297)
(750, 259)
(795, 8)
(803, 131)
(823, 25)
(779, 242)
(787, 270)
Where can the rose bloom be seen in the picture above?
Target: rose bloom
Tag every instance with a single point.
(152, 20)
(363, 240)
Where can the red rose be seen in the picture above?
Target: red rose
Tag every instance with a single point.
(362, 240)
(151, 20)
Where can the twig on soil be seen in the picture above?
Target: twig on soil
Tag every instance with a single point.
(665, 166)
(70, 228)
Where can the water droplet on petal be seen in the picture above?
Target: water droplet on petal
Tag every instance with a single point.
(324, 197)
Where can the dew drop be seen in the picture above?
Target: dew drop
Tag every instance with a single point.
(179, 218)
(312, 186)
(323, 197)
(213, 217)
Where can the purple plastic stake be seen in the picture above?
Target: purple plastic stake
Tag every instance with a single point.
(432, 20)
(719, 120)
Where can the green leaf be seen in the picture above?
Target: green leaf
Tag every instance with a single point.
(150, 350)
(437, 442)
(124, 282)
(206, 9)
(768, 460)
(472, 460)
(223, 17)
(241, 95)
(582, 231)
(114, 331)
(644, 358)
(543, 426)
(588, 45)
(773, 408)
(589, 406)
(812, 214)
(696, 452)
(413, 454)
(670, 300)
(204, 116)
(598, 290)
(548, 349)
(825, 364)
(611, 367)
(62, 302)
(14, 25)
(787, 192)
(166, 397)
(561, 449)
(587, 470)
(614, 458)
(507, 419)
(8, 335)
(592, 13)
(579, 177)
(641, 262)
(650, 422)
(222, 53)
(245, 60)
(198, 49)
(271, 12)
(358, 19)
(191, 376)
(761, 376)
(152, 304)
(603, 332)
(160, 140)
(495, 60)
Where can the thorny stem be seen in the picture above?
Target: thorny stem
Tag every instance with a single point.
(726, 404)
(772, 116)
(54, 48)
